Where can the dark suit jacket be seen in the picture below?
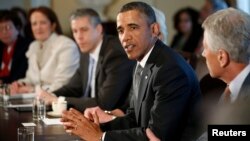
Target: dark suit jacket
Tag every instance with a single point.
(234, 113)
(19, 60)
(168, 93)
(113, 78)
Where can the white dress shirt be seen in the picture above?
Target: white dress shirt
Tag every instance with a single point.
(95, 56)
(236, 83)
(145, 58)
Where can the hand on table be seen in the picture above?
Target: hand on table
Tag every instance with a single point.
(74, 122)
(103, 117)
(46, 96)
(16, 88)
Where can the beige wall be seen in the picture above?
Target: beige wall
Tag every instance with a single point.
(169, 7)
(63, 8)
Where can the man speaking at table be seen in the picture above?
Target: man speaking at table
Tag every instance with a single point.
(105, 73)
(165, 89)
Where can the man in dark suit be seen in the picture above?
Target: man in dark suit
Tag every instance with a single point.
(226, 50)
(165, 89)
(13, 62)
(105, 73)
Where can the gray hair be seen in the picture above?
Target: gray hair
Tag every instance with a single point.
(86, 12)
(160, 18)
(229, 29)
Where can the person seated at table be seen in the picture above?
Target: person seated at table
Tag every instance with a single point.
(105, 73)
(104, 115)
(165, 90)
(13, 46)
(52, 57)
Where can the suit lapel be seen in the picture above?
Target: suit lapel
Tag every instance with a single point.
(146, 76)
(100, 62)
(98, 66)
(142, 89)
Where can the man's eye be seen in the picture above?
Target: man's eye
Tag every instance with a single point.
(133, 27)
(119, 31)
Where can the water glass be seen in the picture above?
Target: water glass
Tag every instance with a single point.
(5, 95)
(25, 134)
(39, 109)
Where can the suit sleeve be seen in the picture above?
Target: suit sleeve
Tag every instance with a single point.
(115, 88)
(121, 123)
(113, 82)
(170, 92)
(73, 88)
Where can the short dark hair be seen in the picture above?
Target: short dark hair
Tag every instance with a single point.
(50, 14)
(142, 7)
(91, 13)
(7, 15)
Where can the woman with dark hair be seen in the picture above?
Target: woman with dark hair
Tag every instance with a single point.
(52, 57)
(189, 32)
(13, 46)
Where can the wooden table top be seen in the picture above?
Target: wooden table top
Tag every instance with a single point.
(11, 119)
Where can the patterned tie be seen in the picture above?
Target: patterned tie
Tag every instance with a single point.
(137, 79)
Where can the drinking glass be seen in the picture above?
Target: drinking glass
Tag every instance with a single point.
(38, 109)
(25, 134)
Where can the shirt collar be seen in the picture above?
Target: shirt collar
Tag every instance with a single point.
(49, 40)
(236, 83)
(145, 58)
(96, 52)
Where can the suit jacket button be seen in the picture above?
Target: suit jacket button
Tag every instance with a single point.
(146, 77)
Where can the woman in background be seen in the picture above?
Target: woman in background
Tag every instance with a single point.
(52, 57)
(189, 33)
(13, 46)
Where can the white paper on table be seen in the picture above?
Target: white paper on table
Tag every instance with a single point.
(18, 105)
(52, 121)
(22, 96)
(29, 124)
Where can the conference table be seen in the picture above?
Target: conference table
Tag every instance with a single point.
(11, 119)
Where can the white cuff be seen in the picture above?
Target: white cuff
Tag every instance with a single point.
(103, 136)
(61, 99)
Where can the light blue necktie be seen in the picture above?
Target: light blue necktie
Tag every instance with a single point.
(90, 75)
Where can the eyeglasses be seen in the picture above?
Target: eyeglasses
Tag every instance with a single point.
(5, 28)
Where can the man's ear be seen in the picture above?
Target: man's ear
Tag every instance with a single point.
(223, 58)
(155, 29)
(99, 28)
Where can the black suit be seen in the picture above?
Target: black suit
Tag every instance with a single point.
(19, 60)
(236, 112)
(168, 92)
(113, 78)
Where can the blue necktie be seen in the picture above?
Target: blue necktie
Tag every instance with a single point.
(90, 75)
